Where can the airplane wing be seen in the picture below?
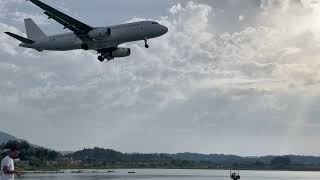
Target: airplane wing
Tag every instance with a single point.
(79, 28)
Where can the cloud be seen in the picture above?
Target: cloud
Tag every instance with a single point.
(206, 86)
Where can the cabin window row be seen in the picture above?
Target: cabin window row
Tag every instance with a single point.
(119, 27)
(61, 36)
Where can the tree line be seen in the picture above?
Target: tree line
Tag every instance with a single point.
(42, 158)
(34, 155)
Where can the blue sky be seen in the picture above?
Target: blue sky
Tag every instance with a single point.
(234, 77)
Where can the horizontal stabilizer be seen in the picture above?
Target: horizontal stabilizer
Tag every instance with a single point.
(22, 39)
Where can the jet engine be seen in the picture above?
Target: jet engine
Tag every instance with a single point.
(99, 32)
(113, 53)
(121, 52)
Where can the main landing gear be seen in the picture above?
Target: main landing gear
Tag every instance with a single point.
(100, 58)
(146, 43)
(105, 55)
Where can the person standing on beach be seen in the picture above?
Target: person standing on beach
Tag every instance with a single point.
(7, 165)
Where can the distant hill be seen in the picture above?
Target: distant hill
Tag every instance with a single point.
(100, 157)
(65, 153)
(193, 160)
(36, 156)
(217, 158)
(230, 159)
(5, 137)
(108, 158)
(98, 154)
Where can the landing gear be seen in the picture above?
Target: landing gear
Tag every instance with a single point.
(110, 58)
(85, 47)
(146, 43)
(101, 58)
(105, 56)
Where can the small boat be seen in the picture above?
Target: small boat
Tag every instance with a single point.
(131, 172)
(235, 175)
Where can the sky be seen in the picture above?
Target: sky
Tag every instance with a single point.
(231, 76)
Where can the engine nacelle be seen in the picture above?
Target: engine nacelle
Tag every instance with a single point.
(121, 52)
(99, 32)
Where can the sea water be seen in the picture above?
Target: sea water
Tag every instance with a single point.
(157, 174)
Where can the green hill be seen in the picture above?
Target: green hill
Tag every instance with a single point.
(5, 137)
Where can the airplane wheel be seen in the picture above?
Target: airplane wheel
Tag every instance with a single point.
(85, 47)
(100, 58)
(146, 43)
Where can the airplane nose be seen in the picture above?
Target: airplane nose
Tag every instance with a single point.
(165, 29)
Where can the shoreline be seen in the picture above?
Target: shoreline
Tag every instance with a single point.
(106, 171)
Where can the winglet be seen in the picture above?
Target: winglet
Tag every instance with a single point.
(22, 39)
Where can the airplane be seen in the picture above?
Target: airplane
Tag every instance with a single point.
(104, 40)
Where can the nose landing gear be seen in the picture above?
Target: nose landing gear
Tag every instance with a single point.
(146, 43)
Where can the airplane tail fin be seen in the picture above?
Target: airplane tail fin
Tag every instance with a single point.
(22, 39)
(33, 31)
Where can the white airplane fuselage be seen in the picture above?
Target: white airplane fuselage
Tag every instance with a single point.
(106, 37)
(104, 40)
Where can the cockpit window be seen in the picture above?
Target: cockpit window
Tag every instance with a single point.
(155, 23)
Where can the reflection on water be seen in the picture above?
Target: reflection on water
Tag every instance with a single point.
(175, 174)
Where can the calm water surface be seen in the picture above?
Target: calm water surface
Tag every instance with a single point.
(175, 175)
